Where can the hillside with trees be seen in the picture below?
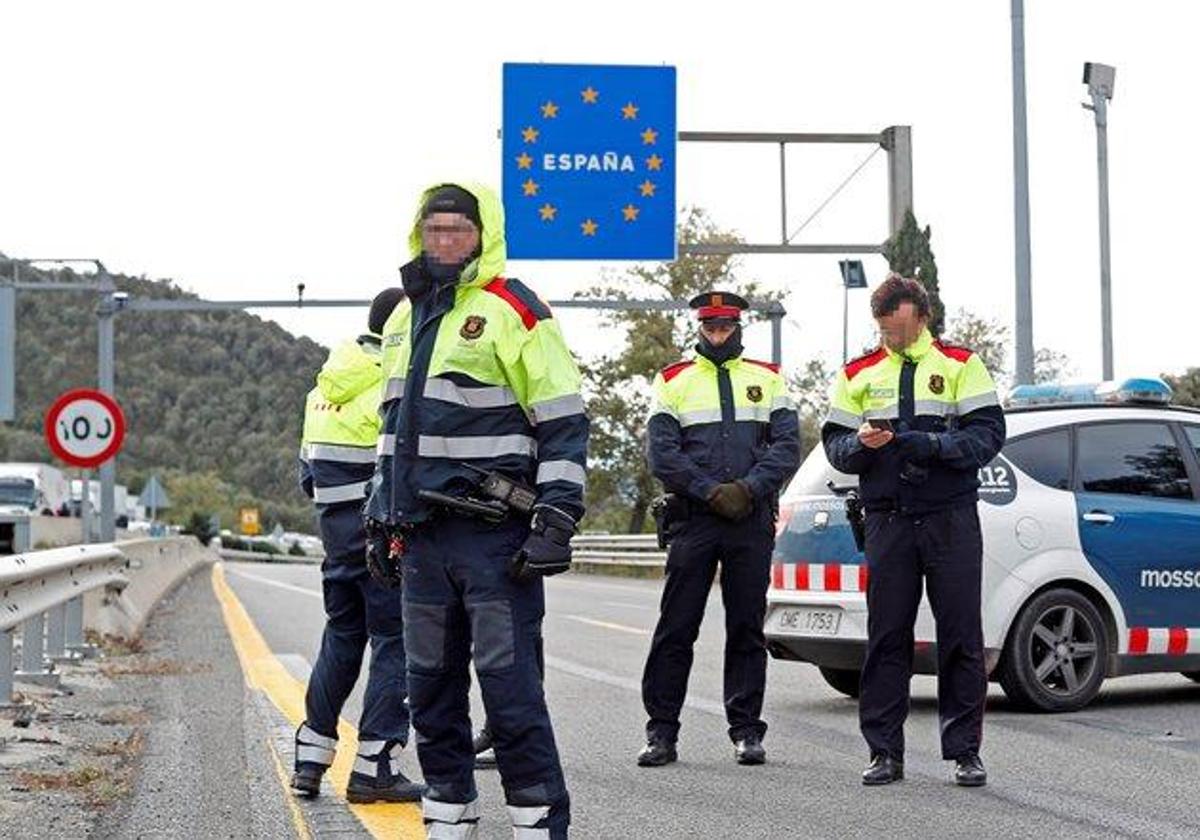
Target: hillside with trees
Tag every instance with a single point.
(213, 400)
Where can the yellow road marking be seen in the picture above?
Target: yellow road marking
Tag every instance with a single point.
(302, 831)
(265, 672)
(624, 628)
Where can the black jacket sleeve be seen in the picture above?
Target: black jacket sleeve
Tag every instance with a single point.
(677, 472)
(976, 441)
(768, 477)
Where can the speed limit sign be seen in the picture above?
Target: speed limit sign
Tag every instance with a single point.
(85, 427)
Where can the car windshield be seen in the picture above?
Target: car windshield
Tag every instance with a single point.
(17, 491)
(813, 475)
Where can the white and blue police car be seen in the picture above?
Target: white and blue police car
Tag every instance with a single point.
(1091, 540)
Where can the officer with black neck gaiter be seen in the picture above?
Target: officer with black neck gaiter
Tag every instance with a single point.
(724, 440)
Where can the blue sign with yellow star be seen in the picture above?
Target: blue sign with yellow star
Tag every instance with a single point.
(589, 162)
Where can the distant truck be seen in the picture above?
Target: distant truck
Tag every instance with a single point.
(33, 489)
(121, 505)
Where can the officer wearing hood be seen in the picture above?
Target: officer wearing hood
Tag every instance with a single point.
(477, 378)
(724, 438)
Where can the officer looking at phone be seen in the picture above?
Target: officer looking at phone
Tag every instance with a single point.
(915, 419)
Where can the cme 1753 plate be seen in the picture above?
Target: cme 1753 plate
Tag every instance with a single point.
(812, 621)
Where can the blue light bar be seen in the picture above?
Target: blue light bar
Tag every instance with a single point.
(1133, 391)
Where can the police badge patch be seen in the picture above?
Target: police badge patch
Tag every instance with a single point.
(754, 393)
(936, 384)
(473, 327)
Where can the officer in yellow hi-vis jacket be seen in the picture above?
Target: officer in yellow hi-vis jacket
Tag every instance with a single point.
(480, 392)
(724, 438)
(337, 459)
(916, 420)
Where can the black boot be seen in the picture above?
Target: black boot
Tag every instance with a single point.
(656, 753)
(883, 770)
(485, 755)
(749, 750)
(969, 772)
(306, 779)
(376, 776)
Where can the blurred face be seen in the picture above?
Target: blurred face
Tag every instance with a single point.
(448, 238)
(899, 329)
(717, 332)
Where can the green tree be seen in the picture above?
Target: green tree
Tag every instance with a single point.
(809, 386)
(909, 254)
(620, 486)
(1186, 387)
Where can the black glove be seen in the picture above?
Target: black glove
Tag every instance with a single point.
(917, 446)
(731, 500)
(384, 550)
(547, 549)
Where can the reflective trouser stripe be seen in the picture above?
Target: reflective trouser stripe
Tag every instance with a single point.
(344, 454)
(366, 766)
(386, 445)
(479, 446)
(561, 471)
(340, 493)
(314, 748)
(451, 820)
(524, 818)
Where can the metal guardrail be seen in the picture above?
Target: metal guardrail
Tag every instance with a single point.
(42, 593)
(623, 549)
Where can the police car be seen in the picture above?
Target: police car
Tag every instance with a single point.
(1091, 540)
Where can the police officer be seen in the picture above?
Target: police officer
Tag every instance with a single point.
(478, 377)
(341, 426)
(724, 439)
(916, 419)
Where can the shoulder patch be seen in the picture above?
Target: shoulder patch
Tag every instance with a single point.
(521, 298)
(671, 371)
(959, 354)
(856, 366)
(771, 366)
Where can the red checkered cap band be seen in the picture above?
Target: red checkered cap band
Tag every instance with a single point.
(705, 312)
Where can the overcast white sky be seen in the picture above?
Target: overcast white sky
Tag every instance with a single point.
(238, 148)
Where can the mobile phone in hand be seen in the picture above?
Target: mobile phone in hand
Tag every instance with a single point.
(881, 423)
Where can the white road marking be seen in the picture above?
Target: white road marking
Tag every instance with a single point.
(272, 582)
(608, 625)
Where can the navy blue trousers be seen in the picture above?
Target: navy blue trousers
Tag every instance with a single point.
(358, 609)
(743, 552)
(946, 550)
(459, 602)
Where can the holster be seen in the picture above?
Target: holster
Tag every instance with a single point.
(856, 515)
(670, 511)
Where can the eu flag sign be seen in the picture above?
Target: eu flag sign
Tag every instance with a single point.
(589, 162)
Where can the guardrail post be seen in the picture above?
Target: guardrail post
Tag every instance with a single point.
(33, 654)
(6, 668)
(56, 632)
(75, 642)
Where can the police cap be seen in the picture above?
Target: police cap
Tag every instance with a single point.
(724, 306)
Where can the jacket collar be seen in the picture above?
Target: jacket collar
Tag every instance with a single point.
(705, 362)
(917, 350)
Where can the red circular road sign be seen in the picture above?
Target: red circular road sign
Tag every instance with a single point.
(85, 427)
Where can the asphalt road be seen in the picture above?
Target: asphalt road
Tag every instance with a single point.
(1125, 767)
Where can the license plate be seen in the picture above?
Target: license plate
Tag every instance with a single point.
(811, 621)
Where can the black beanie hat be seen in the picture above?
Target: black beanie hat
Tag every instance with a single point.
(451, 198)
(381, 309)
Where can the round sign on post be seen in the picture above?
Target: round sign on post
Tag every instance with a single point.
(85, 427)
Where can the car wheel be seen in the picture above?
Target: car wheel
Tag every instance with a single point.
(1056, 654)
(1194, 676)
(844, 680)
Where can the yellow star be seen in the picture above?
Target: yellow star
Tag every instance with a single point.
(529, 134)
(547, 211)
(589, 228)
(629, 112)
(631, 212)
(647, 188)
(549, 111)
(530, 187)
(590, 95)
(654, 163)
(649, 136)
(524, 161)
